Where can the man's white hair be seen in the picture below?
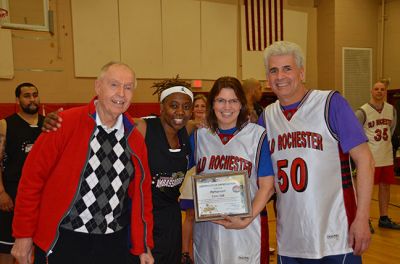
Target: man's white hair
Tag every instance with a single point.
(280, 48)
(106, 66)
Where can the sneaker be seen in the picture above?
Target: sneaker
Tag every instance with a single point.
(371, 228)
(186, 258)
(388, 223)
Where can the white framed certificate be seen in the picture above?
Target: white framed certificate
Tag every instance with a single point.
(219, 194)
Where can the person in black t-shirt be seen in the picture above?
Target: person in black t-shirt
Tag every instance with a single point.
(168, 150)
(18, 132)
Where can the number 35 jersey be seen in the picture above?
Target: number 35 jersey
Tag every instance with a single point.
(311, 177)
(377, 127)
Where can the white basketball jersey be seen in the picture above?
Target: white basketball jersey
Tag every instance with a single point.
(312, 221)
(213, 244)
(377, 128)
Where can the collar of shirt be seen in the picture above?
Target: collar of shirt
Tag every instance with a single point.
(119, 126)
(229, 131)
(291, 106)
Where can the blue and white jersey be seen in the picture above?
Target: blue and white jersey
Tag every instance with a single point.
(213, 244)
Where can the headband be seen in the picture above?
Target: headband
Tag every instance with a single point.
(175, 89)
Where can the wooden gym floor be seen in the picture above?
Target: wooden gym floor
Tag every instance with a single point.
(385, 244)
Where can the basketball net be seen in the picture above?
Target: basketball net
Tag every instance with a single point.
(3, 14)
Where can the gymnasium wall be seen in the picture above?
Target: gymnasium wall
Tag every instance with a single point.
(356, 25)
(50, 61)
(391, 55)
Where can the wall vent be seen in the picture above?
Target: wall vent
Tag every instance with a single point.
(357, 75)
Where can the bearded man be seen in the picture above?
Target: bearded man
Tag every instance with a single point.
(18, 132)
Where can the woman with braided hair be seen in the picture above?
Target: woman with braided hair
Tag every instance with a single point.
(168, 148)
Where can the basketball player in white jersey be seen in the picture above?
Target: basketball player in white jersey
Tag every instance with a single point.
(231, 143)
(379, 122)
(311, 134)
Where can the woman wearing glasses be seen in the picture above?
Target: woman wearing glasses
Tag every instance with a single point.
(231, 136)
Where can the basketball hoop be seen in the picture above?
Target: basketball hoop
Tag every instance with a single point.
(3, 13)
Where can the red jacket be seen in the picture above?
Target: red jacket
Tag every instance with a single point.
(52, 173)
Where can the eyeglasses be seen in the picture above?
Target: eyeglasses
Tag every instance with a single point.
(222, 101)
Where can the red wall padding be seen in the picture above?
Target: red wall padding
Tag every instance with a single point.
(135, 110)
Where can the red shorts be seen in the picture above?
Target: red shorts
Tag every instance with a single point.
(384, 174)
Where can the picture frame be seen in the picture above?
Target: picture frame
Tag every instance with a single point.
(217, 195)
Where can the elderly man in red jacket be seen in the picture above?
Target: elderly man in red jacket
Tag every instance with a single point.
(73, 201)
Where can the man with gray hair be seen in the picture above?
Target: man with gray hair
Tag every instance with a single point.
(312, 133)
(73, 197)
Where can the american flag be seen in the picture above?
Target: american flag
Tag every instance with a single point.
(264, 23)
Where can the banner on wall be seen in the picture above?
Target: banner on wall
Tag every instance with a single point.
(264, 23)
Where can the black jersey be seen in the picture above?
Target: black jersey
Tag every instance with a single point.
(19, 141)
(167, 167)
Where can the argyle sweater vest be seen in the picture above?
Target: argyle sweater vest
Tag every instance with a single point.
(100, 206)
